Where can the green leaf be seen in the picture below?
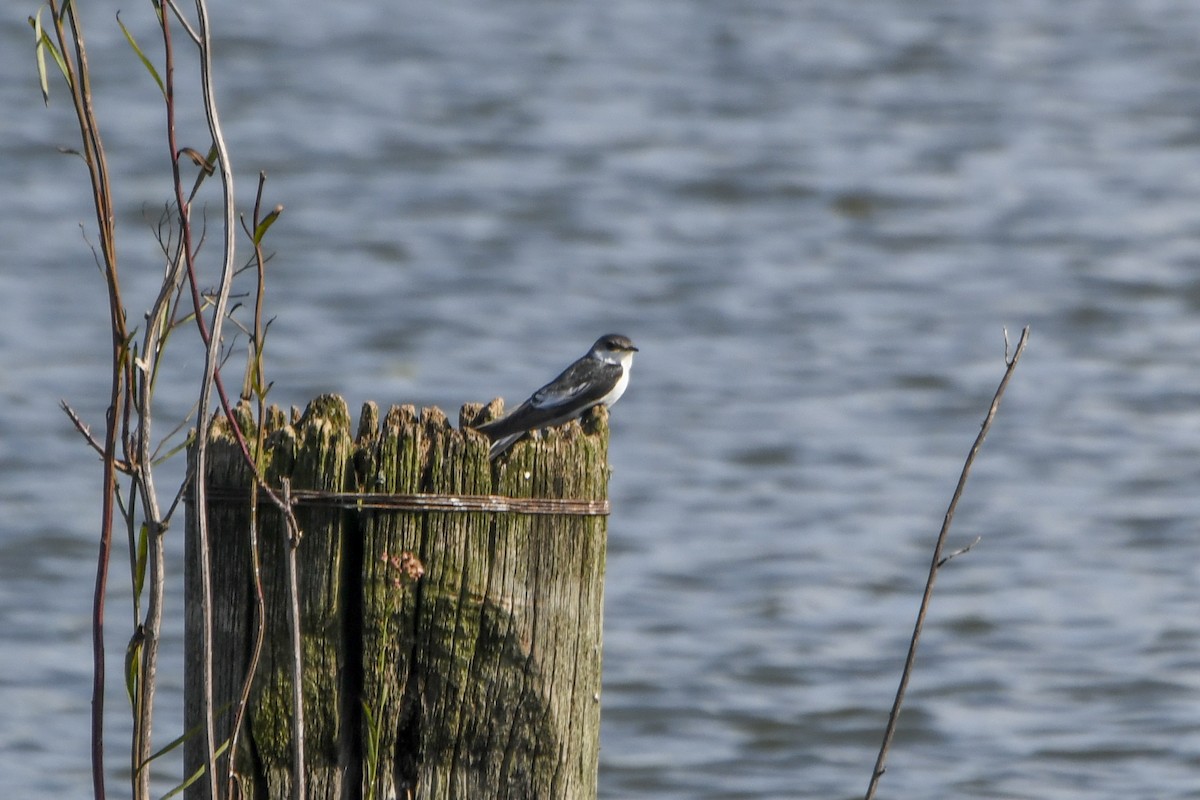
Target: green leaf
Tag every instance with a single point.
(195, 776)
(58, 58)
(261, 229)
(38, 34)
(139, 569)
(195, 730)
(371, 754)
(124, 511)
(145, 61)
(205, 164)
(133, 663)
(167, 455)
(42, 43)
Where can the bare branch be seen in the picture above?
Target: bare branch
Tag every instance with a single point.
(935, 565)
(85, 430)
(78, 74)
(180, 493)
(960, 551)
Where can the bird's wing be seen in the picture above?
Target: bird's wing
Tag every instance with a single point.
(583, 382)
(579, 387)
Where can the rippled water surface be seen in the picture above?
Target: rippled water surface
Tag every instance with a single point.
(815, 220)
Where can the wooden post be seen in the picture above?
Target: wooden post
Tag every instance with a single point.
(479, 680)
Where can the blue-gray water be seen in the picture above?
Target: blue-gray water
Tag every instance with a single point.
(815, 219)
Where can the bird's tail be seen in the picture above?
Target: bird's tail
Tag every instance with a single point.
(501, 445)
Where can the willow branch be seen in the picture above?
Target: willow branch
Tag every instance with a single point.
(79, 81)
(157, 326)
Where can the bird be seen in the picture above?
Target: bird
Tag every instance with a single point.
(598, 378)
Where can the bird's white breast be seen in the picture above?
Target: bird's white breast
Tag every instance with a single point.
(622, 383)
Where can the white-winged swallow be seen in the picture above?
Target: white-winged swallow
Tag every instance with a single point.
(600, 377)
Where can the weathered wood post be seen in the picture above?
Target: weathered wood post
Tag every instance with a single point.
(479, 680)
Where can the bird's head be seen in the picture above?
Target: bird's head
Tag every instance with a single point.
(614, 348)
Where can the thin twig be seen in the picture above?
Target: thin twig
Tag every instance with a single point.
(78, 77)
(85, 430)
(260, 629)
(212, 348)
(197, 475)
(212, 377)
(211, 357)
(143, 378)
(299, 791)
(191, 32)
(960, 551)
(212, 381)
(180, 493)
(260, 621)
(152, 350)
(936, 563)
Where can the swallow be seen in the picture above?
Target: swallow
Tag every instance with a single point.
(598, 378)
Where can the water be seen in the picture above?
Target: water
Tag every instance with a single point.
(815, 220)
